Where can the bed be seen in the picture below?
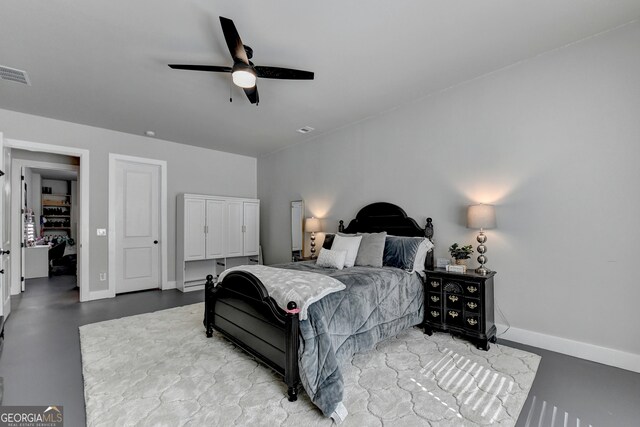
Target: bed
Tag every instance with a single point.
(338, 325)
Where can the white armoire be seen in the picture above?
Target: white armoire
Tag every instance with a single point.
(213, 234)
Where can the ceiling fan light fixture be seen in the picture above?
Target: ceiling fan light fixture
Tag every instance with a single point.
(244, 78)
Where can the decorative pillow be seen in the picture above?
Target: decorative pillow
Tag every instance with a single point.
(421, 255)
(349, 244)
(400, 252)
(371, 249)
(331, 259)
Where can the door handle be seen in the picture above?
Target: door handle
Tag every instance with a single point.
(4, 252)
(2, 271)
(155, 242)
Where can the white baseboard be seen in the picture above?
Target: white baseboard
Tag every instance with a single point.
(594, 353)
(107, 293)
(171, 284)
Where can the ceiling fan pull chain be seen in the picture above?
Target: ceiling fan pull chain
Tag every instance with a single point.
(230, 97)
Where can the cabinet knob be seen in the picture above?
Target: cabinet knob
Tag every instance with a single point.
(155, 242)
(2, 271)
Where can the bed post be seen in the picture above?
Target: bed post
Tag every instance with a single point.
(291, 375)
(428, 233)
(341, 226)
(210, 291)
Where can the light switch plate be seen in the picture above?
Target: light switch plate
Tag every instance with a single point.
(102, 231)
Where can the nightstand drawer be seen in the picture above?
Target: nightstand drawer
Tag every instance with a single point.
(453, 317)
(453, 301)
(471, 305)
(472, 322)
(434, 284)
(472, 289)
(435, 300)
(434, 315)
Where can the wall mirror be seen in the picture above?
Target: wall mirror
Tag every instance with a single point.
(297, 232)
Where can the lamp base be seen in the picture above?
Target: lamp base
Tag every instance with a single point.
(482, 270)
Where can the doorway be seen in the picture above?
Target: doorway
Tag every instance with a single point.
(40, 156)
(45, 218)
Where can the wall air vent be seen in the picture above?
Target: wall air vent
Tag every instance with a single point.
(14, 75)
(305, 129)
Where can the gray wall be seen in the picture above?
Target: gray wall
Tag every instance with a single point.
(554, 142)
(190, 169)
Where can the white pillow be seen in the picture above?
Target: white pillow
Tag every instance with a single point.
(349, 244)
(331, 259)
(421, 255)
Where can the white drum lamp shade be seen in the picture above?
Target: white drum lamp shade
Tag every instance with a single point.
(481, 217)
(312, 225)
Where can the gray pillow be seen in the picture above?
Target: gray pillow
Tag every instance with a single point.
(371, 249)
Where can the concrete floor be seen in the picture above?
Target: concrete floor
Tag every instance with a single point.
(41, 362)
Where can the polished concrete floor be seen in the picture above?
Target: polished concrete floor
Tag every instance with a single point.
(41, 362)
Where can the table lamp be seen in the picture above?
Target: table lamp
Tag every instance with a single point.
(312, 225)
(482, 217)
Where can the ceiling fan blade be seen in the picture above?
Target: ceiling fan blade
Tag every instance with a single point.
(212, 68)
(252, 94)
(283, 73)
(234, 43)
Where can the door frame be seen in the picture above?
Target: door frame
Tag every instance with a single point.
(113, 158)
(16, 217)
(83, 191)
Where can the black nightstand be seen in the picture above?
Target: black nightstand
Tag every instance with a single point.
(305, 258)
(461, 303)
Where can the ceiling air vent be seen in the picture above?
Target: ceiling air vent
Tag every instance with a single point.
(305, 129)
(14, 75)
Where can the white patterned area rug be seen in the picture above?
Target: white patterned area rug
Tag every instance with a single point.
(159, 369)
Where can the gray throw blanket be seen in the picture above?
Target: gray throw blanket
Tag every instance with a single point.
(377, 303)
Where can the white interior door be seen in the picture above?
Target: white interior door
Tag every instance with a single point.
(137, 226)
(5, 285)
(251, 237)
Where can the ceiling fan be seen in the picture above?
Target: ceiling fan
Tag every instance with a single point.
(244, 73)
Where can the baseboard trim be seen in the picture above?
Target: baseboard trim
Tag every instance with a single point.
(582, 350)
(94, 295)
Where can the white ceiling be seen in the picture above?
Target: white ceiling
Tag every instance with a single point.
(103, 62)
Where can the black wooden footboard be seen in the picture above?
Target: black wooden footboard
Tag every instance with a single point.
(240, 308)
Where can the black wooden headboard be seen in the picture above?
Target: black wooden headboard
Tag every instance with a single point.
(383, 216)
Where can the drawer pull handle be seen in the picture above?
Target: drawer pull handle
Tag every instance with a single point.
(472, 305)
(435, 283)
(435, 313)
(472, 289)
(453, 314)
(435, 298)
(453, 298)
(472, 321)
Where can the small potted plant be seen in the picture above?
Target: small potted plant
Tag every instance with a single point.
(460, 253)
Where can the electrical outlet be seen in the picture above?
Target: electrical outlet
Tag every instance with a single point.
(103, 277)
(102, 231)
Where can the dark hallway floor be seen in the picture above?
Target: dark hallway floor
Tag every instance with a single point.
(41, 362)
